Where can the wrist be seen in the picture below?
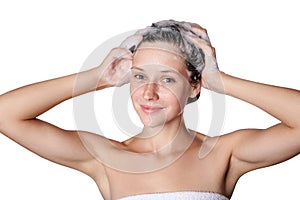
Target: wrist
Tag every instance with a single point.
(96, 74)
(215, 82)
(88, 81)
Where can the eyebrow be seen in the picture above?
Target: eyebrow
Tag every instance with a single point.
(163, 71)
(133, 67)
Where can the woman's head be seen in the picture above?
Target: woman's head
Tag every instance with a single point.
(166, 72)
(177, 34)
(160, 84)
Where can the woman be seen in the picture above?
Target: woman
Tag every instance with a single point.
(168, 63)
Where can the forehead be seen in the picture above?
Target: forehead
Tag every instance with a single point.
(159, 54)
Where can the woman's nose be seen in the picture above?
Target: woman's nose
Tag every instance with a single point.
(150, 92)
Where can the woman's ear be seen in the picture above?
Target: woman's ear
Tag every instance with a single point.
(196, 89)
(195, 93)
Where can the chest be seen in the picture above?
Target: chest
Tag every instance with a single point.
(188, 172)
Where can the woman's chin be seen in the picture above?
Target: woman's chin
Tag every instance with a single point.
(151, 122)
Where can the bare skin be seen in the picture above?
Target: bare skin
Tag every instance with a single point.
(232, 156)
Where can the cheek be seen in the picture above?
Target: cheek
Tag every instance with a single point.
(135, 91)
(168, 97)
(180, 93)
(175, 99)
(136, 94)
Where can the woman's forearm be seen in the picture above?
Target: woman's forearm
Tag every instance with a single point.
(30, 101)
(281, 103)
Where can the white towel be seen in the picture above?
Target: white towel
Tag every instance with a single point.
(177, 196)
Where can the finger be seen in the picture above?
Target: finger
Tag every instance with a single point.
(132, 42)
(209, 51)
(122, 53)
(202, 44)
(201, 32)
(121, 64)
(124, 71)
(193, 38)
(115, 56)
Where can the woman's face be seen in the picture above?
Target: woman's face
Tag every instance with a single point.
(159, 84)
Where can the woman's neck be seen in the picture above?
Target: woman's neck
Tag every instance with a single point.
(167, 137)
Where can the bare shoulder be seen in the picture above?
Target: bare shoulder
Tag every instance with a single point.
(216, 152)
(218, 145)
(221, 148)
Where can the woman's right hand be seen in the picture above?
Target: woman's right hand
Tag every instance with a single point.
(115, 68)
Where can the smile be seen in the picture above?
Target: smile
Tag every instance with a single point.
(151, 109)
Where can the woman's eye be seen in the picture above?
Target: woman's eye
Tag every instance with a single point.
(139, 76)
(168, 80)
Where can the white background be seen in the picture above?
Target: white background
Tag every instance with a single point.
(39, 40)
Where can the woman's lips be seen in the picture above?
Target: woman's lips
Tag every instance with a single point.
(151, 109)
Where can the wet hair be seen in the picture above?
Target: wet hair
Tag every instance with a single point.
(194, 56)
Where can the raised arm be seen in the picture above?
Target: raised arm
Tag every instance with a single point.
(263, 147)
(20, 108)
(255, 148)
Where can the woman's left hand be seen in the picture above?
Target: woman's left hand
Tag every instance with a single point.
(211, 75)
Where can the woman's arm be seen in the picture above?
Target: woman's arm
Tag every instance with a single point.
(19, 111)
(254, 148)
(20, 108)
(259, 148)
